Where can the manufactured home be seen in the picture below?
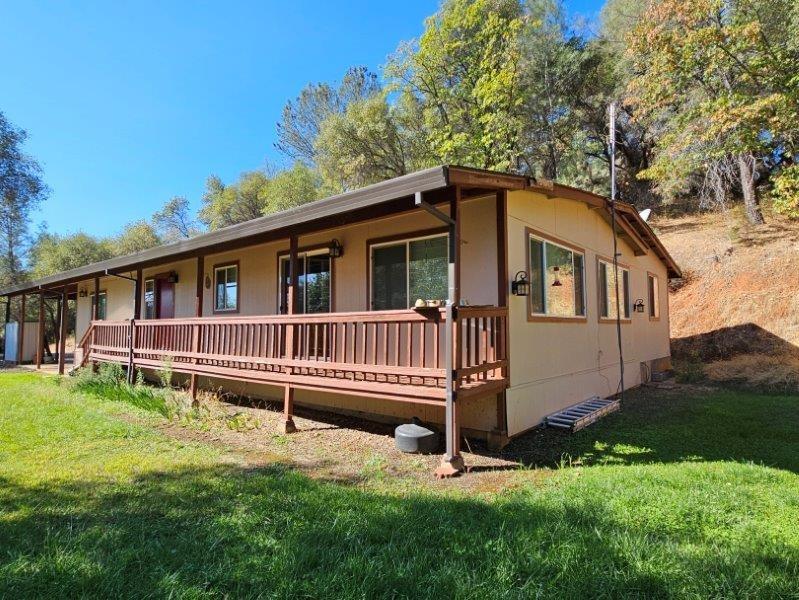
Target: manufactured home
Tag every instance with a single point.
(480, 300)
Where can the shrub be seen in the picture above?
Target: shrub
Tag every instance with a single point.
(786, 192)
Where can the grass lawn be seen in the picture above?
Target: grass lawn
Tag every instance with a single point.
(700, 500)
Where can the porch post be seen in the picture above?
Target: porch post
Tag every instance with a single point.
(21, 342)
(137, 299)
(195, 330)
(40, 336)
(502, 298)
(96, 299)
(62, 336)
(452, 461)
(291, 305)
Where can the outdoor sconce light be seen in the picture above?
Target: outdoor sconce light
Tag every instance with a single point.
(520, 286)
(557, 282)
(207, 281)
(336, 249)
(173, 277)
(83, 293)
(639, 305)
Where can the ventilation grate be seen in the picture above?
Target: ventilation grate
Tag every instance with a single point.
(581, 415)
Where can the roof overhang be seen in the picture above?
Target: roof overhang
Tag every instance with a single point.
(387, 196)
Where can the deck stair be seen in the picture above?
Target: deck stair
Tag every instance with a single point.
(581, 415)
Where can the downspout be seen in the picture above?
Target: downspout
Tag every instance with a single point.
(452, 462)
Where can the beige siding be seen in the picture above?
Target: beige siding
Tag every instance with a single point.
(258, 289)
(556, 364)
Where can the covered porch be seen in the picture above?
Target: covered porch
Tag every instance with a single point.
(329, 297)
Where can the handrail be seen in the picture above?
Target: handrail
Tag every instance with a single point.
(403, 347)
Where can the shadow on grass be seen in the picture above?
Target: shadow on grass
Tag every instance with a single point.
(682, 425)
(229, 531)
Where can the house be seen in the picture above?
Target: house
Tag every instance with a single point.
(341, 304)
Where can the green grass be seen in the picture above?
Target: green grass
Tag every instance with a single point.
(91, 505)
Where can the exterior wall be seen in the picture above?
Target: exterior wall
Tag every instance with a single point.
(259, 295)
(557, 364)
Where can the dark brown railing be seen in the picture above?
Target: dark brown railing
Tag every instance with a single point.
(384, 353)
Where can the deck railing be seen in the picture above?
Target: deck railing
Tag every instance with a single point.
(384, 353)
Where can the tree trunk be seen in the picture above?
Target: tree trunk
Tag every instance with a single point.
(746, 166)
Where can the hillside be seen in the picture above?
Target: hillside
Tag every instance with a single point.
(736, 314)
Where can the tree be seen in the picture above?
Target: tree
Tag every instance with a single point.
(244, 200)
(52, 253)
(719, 78)
(174, 221)
(137, 236)
(290, 188)
(21, 191)
(465, 72)
(371, 141)
(302, 119)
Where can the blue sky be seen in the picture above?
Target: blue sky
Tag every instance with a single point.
(129, 104)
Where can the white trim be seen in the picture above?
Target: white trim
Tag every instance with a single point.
(545, 241)
(400, 242)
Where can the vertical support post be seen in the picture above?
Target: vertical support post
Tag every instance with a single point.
(96, 299)
(131, 346)
(502, 298)
(452, 461)
(137, 286)
(288, 410)
(40, 336)
(62, 335)
(291, 306)
(6, 321)
(195, 330)
(21, 341)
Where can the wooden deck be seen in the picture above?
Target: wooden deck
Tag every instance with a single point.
(397, 355)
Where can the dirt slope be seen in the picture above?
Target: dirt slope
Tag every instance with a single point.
(739, 301)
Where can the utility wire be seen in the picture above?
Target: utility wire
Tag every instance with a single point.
(612, 137)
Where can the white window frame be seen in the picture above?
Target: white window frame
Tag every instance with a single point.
(238, 288)
(399, 242)
(285, 258)
(545, 314)
(625, 306)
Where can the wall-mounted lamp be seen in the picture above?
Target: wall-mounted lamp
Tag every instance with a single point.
(336, 249)
(173, 277)
(557, 282)
(207, 281)
(83, 293)
(638, 306)
(520, 286)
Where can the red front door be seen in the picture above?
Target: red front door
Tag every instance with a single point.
(166, 299)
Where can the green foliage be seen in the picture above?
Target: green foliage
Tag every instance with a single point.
(174, 221)
(52, 253)
(165, 372)
(465, 72)
(670, 497)
(244, 200)
(719, 79)
(372, 140)
(291, 187)
(302, 119)
(21, 191)
(137, 236)
(786, 192)
(110, 382)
